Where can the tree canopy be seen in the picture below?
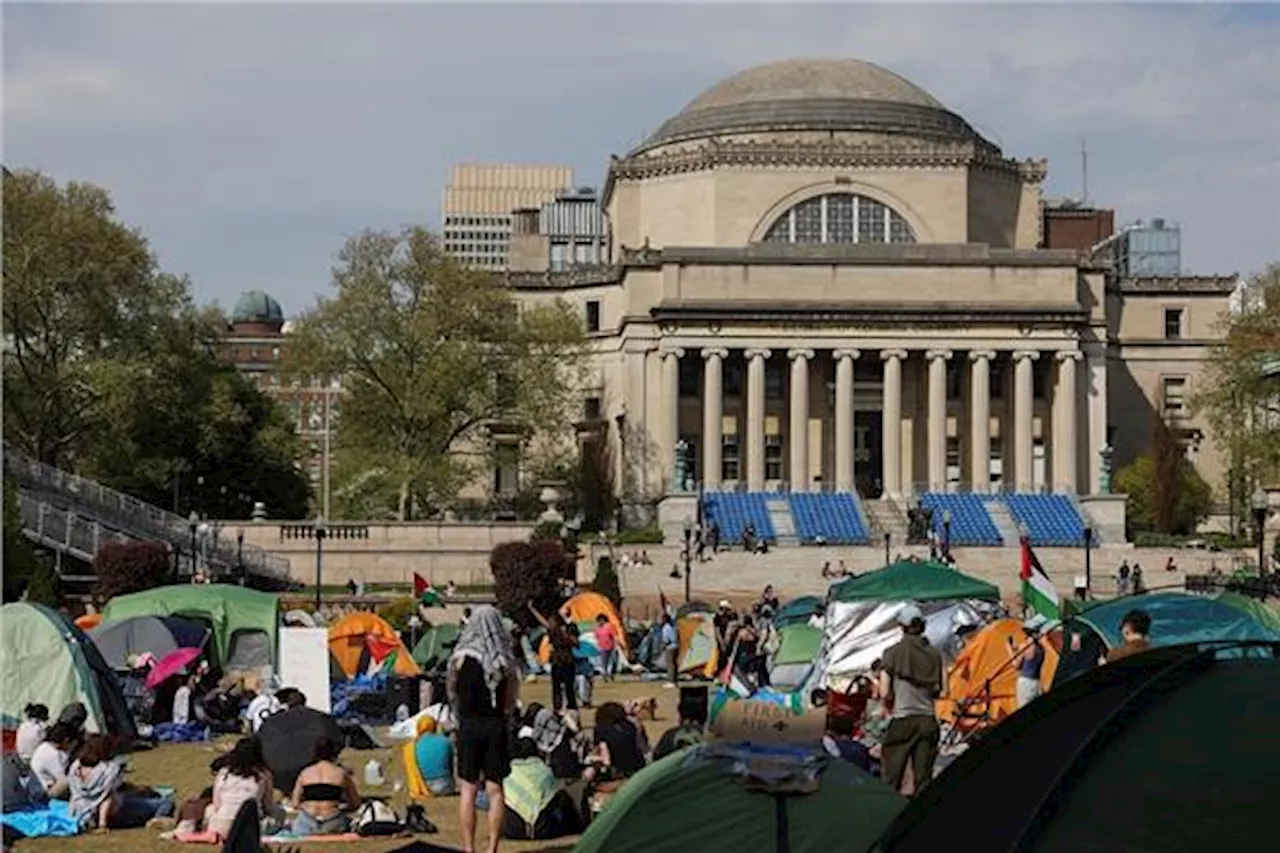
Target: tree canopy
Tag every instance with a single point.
(111, 370)
(432, 355)
(1241, 389)
(1165, 493)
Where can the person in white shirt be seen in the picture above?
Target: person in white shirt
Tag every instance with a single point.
(182, 701)
(32, 730)
(51, 758)
(262, 706)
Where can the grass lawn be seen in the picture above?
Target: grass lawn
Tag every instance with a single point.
(186, 767)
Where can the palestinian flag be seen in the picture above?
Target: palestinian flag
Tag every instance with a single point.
(426, 593)
(382, 653)
(1038, 592)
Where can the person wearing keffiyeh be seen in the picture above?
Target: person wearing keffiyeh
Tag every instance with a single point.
(483, 682)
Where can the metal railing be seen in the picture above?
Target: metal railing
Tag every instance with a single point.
(125, 514)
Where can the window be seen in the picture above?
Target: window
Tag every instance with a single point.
(591, 409)
(506, 469)
(689, 370)
(559, 252)
(505, 390)
(1175, 395)
(733, 378)
(1040, 379)
(840, 218)
(953, 380)
(593, 315)
(775, 379)
(691, 441)
(999, 375)
(1173, 324)
(773, 458)
(729, 457)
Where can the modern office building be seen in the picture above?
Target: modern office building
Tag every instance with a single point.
(568, 232)
(479, 201)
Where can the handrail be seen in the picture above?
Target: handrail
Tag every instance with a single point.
(132, 515)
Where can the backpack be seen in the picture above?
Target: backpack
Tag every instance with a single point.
(19, 787)
(376, 818)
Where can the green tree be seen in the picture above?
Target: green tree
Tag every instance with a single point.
(431, 354)
(20, 559)
(125, 567)
(606, 582)
(1160, 501)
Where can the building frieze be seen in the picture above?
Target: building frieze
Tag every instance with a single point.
(1024, 319)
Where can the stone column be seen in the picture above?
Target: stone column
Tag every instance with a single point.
(755, 418)
(844, 417)
(1096, 396)
(1064, 422)
(937, 447)
(1023, 400)
(798, 440)
(712, 414)
(980, 419)
(891, 425)
(670, 412)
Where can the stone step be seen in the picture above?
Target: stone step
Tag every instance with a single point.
(784, 526)
(1004, 522)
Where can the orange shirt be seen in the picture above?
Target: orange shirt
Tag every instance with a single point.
(1129, 649)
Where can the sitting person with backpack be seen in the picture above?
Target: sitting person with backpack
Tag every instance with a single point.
(537, 805)
(690, 732)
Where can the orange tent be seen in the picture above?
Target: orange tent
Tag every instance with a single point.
(583, 610)
(88, 621)
(358, 638)
(982, 684)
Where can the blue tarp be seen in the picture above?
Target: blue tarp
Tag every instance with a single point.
(180, 732)
(343, 693)
(51, 821)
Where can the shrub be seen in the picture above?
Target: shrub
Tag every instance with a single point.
(529, 572)
(606, 582)
(44, 587)
(125, 567)
(651, 535)
(1173, 505)
(397, 613)
(547, 531)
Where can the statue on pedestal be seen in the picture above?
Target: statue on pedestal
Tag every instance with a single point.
(1105, 456)
(680, 479)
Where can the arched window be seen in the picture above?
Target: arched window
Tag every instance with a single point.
(840, 218)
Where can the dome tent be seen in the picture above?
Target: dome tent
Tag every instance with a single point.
(159, 635)
(695, 800)
(45, 658)
(1118, 759)
(359, 640)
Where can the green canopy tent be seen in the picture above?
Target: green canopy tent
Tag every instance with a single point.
(797, 611)
(798, 650)
(694, 800)
(911, 580)
(46, 659)
(435, 645)
(245, 622)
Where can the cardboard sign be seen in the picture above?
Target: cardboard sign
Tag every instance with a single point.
(766, 722)
(304, 664)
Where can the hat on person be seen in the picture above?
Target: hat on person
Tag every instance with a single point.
(724, 604)
(1035, 624)
(909, 614)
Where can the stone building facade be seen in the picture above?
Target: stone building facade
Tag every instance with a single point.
(819, 277)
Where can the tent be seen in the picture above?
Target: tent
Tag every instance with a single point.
(583, 610)
(1170, 750)
(695, 799)
(159, 635)
(912, 580)
(245, 622)
(1176, 618)
(982, 683)
(436, 644)
(45, 658)
(797, 611)
(696, 634)
(798, 649)
(359, 640)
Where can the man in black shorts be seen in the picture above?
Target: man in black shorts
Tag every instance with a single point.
(483, 684)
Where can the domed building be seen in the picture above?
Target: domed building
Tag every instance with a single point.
(823, 279)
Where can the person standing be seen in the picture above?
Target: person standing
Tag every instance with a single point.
(911, 681)
(483, 683)
(670, 647)
(563, 666)
(1029, 660)
(607, 643)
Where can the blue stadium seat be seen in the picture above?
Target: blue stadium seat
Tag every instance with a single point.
(835, 519)
(732, 511)
(1048, 520)
(971, 524)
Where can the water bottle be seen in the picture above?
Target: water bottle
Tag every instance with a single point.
(373, 774)
(402, 713)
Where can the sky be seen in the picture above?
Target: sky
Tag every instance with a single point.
(248, 141)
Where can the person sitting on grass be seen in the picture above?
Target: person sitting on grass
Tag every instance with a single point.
(690, 732)
(433, 754)
(51, 759)
(100, 799)
(243, 777)
(32, 730)
(325, 793)
(617, 748)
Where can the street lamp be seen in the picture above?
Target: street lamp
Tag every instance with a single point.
(1088, 561)
(1259, 503)
(240, 555)
(887, 537)
(946, 533)
(321, 529)
(688, 563)
(193, 523)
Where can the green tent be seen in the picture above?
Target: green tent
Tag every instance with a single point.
(693, 800)
(797, 611)
(798, 644)
(245, 622)
(909, 580)
(436, 644)
(1261, 612)
(46, 659)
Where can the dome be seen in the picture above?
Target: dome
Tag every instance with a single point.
(813, 94)
(254, 306)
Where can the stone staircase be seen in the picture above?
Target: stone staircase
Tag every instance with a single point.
(884, 516)
(784, 526)
(1004, 522)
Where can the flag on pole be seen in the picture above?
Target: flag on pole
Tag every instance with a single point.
(426, 593)
(420, 585)
(1038, 592)
(665, 605)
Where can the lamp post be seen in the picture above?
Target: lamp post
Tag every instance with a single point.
(688, 562)
(1259, 503)
(946, 534)
(240, 555)
(887, 538)
(193, 524)
(321, 529)
(1088, 562)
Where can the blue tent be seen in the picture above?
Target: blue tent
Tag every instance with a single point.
(1176, 618)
